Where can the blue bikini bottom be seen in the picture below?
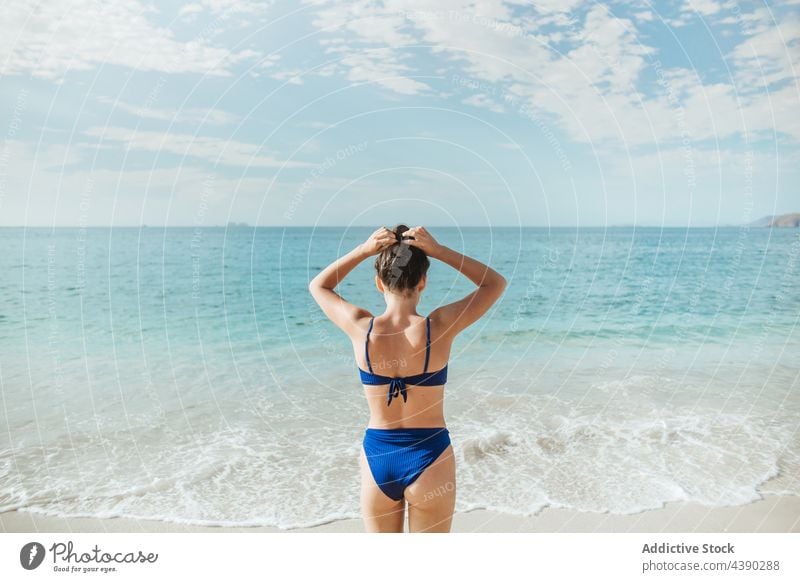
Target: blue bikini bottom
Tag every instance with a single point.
(398, 456)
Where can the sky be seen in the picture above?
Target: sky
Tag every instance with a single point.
(359, 113)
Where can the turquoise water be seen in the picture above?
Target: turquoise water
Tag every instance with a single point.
(186, 375)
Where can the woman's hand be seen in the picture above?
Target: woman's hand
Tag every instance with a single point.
(378, 240)
(422, 240)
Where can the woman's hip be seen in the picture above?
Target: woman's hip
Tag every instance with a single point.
(391, 438)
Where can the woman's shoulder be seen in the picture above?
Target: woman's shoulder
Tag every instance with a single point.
(440, 325)
(360, 325)
(438, 318)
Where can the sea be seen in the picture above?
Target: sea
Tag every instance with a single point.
(185, 374)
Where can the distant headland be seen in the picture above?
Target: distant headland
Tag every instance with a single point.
(791, 220)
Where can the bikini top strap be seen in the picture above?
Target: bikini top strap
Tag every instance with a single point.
(428, 344)
(366, 344)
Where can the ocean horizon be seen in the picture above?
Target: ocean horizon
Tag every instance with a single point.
(184, 373)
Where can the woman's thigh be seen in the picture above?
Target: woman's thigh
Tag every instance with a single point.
(432, 497)
(380, 512)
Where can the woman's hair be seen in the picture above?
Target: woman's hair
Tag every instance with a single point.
(401, 266)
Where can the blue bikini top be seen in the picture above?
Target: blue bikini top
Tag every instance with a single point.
(398, 385)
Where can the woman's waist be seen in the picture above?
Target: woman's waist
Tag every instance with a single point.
(406, 427)
(423, 394)
(406, 414)
(411, 421)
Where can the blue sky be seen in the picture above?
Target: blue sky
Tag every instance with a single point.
(495, 113)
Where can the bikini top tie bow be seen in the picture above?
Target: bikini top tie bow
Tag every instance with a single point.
(397, 386)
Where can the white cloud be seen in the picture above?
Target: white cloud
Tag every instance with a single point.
(600, 70)
(593, 90)
(215, 150)
(234, 7)
(293, 77)
(770, 55)
(484, 101)
(382, 68)
(43, 157)
(47, 39)
(703, 7)
(191, 115)
(41, 191)
(357, 25)
(547, 6)
(189, 11)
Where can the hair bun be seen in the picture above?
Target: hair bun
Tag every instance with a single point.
(399, 230)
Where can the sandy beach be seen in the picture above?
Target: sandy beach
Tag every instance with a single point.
(773, 514)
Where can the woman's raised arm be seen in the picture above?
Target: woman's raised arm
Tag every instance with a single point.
(460, 314)
(342, 313)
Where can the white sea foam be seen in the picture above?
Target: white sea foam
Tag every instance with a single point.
(522, 453)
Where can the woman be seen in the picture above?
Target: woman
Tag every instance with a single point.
(402, 359)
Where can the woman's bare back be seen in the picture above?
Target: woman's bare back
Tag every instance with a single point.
(397, 349)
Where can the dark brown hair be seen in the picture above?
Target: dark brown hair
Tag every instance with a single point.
(401, 266)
